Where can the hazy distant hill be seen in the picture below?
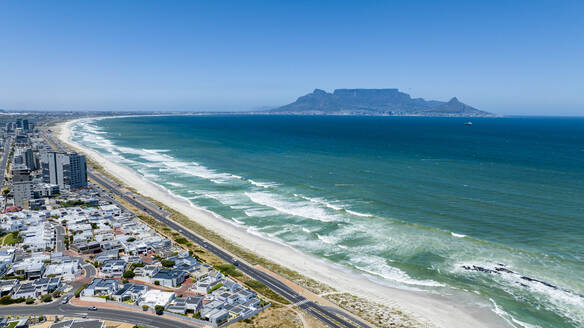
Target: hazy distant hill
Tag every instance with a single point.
(374, 102)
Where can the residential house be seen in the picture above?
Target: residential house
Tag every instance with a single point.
(100, 287)
(169, 278)
(113, 268)
(130, 292)
(155, 297)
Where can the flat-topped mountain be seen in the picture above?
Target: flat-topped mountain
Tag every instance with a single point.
(374, 102)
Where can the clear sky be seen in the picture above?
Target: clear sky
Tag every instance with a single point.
(508, 57)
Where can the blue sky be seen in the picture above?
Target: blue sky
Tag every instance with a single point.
(508, 57)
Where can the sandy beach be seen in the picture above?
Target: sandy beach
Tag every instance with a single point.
(438, 310)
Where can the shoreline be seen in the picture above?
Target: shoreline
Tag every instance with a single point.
(437, 310)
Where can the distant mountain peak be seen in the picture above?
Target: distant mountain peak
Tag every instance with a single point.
(374, 102)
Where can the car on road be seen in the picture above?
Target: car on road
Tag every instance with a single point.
(92, 308)
(65, 300)
(235, 261)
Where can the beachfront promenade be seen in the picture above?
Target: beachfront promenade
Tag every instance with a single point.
(325, 314)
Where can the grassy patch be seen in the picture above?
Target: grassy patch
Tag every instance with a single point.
(229, 269)
(74, 203)
(260, 288)
(215, 288)
(182, 241)
(13, 238)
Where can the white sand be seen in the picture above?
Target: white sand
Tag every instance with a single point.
(438, 310)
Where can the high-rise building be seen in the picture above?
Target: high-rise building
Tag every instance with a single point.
(29, 159)
(21, 185)
(77, 171)
(25, 155)
(68, 171)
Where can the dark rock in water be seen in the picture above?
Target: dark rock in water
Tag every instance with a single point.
(541, 282)
(499, 269)
(479, 269)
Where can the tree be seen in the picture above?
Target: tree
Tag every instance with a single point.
(29, 300)
(159, 309)
(167, 263)
(157, 283)
(46, 298)
(129, 274)
(145, 307)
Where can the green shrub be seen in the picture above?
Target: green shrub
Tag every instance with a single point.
(129, 274)
(80, 289)
(167, 263)
(46, 298)
(6, 300)
(182, 241)
(215, 288)
(229, 269)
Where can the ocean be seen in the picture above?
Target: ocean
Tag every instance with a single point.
(495, 209)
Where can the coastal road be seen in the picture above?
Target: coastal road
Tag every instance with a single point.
(322, 313)
(68, 310)
(7, 146)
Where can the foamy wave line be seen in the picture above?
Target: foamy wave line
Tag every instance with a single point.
(292, 208)
(377, 267)
(509, 318)
(330, 205)
(331, 240)
(262, 184)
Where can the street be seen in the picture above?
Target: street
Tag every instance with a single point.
(56, 308)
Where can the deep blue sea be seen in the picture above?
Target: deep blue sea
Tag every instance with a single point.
(495, 209)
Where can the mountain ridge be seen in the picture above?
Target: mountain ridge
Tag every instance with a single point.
(378, 102)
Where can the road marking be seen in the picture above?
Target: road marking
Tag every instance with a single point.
(301, 302)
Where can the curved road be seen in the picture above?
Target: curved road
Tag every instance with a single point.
(56, 308)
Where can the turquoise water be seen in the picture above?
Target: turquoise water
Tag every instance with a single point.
(495, 209)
